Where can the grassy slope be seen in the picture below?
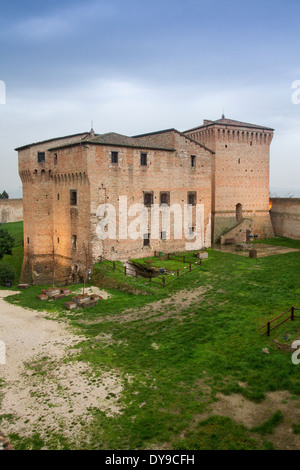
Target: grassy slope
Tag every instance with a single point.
(16, 231)
(215, 340)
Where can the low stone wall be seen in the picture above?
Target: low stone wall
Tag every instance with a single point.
(11, 210)
(285, 217)
(238, 234)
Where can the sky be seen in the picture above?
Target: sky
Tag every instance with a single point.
(136, 66)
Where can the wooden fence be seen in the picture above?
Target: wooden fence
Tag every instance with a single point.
(292, 316)
(159, 278)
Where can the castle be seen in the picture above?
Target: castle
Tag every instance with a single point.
(220, 168)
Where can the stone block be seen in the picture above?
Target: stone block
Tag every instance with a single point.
(52, 292)
(70, 305)
(42, 297)
(81, 299)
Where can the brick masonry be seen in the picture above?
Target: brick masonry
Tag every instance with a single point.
(224, 165)
(11, 210)
(240, 173)
(285, 216)
(60, 240)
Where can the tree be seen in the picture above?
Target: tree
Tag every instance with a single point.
(6, 243)
(7, 273)
(4, 195)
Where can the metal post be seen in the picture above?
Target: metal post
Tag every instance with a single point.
(292, 313)
(190, 267)
(268, 328)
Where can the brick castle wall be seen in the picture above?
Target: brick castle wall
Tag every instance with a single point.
(285, 217)
(11, 210)
(51, 222)
(240, 176)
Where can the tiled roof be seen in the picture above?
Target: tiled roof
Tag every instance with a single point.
(139, 137)
(231, 122)
(80, 136)
(112, 138)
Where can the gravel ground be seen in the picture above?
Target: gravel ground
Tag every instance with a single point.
(42, 392)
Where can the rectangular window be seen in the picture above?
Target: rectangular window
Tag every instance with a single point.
(191, 231)
(193, 161)
(143, 159)
(164, 198)
(114, 157)
(41, 157)
(74, 242)
(148, 199)
(163, 235)
(73, 197)
(55, 159)
(192, 198)
(146, 239)
(28, 240)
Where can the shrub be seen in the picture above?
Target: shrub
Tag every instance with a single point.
(7, 273)
(6, 243)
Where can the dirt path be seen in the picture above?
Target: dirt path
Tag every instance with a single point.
(161, 310)
(43, 392)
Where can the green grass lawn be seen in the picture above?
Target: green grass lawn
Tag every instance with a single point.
(213, 341)
(280, 241)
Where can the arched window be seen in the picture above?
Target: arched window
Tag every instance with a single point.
(239, 212)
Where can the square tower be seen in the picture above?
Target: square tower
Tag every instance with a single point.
(240, 177)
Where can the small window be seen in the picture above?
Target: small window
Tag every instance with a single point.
(57, 239)
(193, 161)
(114, 157)
(55, 159)
(146, 239)
(41, 157)
(73, 197)
(58, 197)
(191, 231)
(143, 159)
(28, 240)
(163, 235)
(165, 198)
(239, 160)
(192, 196)
(74, 242)
(148, 199)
